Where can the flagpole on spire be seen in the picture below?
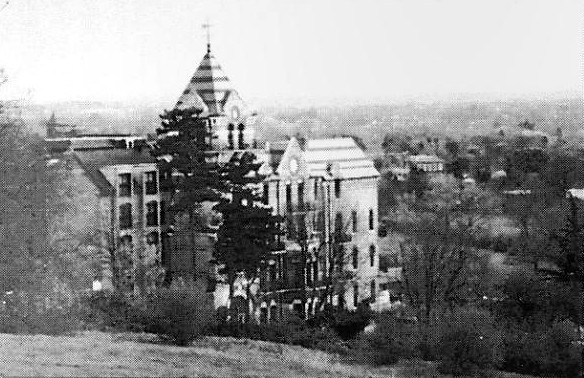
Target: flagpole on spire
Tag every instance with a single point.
(207, 27)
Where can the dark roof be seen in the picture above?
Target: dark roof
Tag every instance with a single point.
(93, 160)
(116, 156)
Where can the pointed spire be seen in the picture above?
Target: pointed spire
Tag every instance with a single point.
(207, 27)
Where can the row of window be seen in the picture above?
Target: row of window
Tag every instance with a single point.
(372, 289)
(355, 256)
(125, 184)
(340, 227)
(300, 200)
(125, 215)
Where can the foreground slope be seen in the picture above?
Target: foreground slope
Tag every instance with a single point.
(103, 354)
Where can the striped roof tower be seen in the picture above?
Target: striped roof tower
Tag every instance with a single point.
(209, 88)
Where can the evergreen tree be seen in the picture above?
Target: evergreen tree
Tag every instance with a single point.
(248, 231)
(190, 170)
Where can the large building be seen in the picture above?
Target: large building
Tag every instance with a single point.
(326, 190)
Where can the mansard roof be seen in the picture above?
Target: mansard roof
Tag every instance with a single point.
(340, 156)
(336, 157)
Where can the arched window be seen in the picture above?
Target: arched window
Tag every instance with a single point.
(372, 255)
(371, 219)
(355, 295)
(355, 257)
(230, 129)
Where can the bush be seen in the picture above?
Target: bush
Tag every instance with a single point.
(551, 352)
(25, 313)
(179, 314)
(391, 339)
(469, 343)
(347, 324)
(294, 331)
(112, 310)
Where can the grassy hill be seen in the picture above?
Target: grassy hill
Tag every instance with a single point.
(99, 354)
(103, 354)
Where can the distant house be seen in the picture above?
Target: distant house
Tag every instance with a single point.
(426, 163)
(399, 174)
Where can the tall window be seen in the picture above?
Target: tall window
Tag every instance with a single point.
(288, 197)
(266, 193)
(240, 141)
(337, 188)
(354, 216)
(230, 129)
(301, 195)
(125, 185)
(125, 216)
(372, 255)
(355, 295)
(338, 223)
(151, 182)
(355, 257)
(373, 289)
(315, 189)
(162, 212)
(152, 213)
(371, 219)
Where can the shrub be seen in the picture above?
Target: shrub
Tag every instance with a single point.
(347, 324)
(469, 343)
(179, 314)
(391, 339)
(550, 352)
(26, 313)
(293, 331)
(112, 310)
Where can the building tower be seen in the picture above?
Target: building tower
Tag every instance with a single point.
(211, 91)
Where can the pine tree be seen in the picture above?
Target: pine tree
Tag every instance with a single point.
(191, 172)
(248, 231)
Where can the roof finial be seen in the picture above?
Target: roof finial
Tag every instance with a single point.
(207, 27)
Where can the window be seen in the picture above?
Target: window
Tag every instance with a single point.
(315, 189)
(371, 219)
(354, 216)
(125, 216)
(152, 238)
(125, 185)
(301, 195)
(355, 257)
(372, 255)
(355, 295)
(230, 128)
(152, 213)
(373, 289)
(340, 258)
(240, 141)
(151, 182)
(315, 271)
(288, 197)
(337, 188)
(162, 212)
(339, 223)
(266, 193)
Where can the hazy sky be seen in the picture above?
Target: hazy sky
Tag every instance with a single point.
(361, 50)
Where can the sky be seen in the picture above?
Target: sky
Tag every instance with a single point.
(317, 51)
